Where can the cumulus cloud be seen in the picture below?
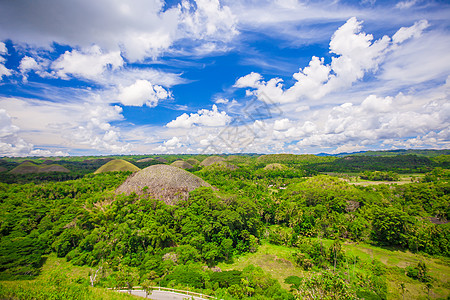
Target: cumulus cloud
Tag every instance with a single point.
(139, 28)
(11, 144)
(203, 117)
(208, 20)
(355, 54)
(88, 64)
(94, 129)
(282, 125)
(142, 92)
(3, 70)
(3, 49)
(75, 124)
(376, 118)
(405, 33)
(30, 64)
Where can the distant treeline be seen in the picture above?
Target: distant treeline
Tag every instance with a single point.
(399, 164)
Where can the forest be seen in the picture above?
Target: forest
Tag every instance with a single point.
(277, 226)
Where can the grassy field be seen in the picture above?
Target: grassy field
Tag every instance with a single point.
(278, 262)
(354, 179)
(117, 165)
(58, 280)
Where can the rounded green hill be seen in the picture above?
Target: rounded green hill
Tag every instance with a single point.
(29, 167)
(211, 160)
(117, 165)
(192, 161)
(275, 166)
(181, 164)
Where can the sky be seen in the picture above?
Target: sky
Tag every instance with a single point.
(82, 77)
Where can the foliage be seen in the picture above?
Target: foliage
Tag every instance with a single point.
(399, 164)
(140, 240)
(379, 176)
(419, 272)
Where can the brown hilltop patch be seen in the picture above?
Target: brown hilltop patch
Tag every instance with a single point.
(3, 169)
(145, 160)
(192, 161)
(162, 160)
(211, 160)
(181, 164)
(275, 167)
(167, 183)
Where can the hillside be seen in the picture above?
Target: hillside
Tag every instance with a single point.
(116, 166)
(211, 160)
(182, 164)
(168, 183)
(29, 167)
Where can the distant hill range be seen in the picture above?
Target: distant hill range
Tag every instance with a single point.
(418, 152)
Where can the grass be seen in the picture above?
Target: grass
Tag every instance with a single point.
(397, 261)
(117, 165)
(353, 178)
(274, 260)
(58, 280)
(278, 262)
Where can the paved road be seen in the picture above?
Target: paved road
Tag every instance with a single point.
(162, 295)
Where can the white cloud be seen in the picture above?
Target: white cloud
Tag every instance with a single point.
(355, 54)
(252, 80)
(47, 153)
(139, 28)
(209, 20)
(203, 117)
(405, 33)
(173, 143)
(142, 92)
(3, 49)
(221, 101)
(282, 125)
(406, 4)
(88, 64)
(40, 67)
(418, 60)
(378, 118)
(11, 144)
(75, 124)
(28, 63)
(3, 70)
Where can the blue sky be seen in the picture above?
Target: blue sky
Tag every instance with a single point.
(208, 76)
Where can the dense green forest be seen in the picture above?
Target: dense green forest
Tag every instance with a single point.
(328, 235)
